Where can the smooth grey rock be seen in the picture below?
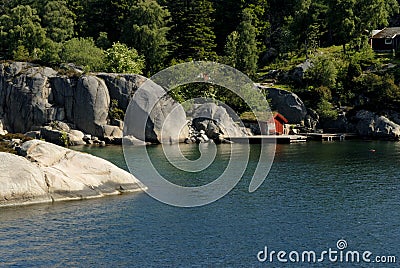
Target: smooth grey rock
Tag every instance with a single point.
(153, 116)
(54, 136)
(59, 174)
(386, 128)
(296, 75)
(2, 130)
(75, 137)
(24, 96)
(62, 137)
(370, 124)
(63, 94)
(287, 103)
(113, 134)
(132, 141)
(21, 182)
(122, 86)
(215, 121)
(91, 104)
(60, 126)
(270, 55)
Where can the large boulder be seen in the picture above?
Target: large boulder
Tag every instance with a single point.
(296, 75)
(287, 103)
(369, 124)
(24, 93)
(153, 116)
(122, 86)
(2, 130)
(91, 105)
(62, 136)
(58, 174)
(21, 181)
(215, 121)
(62, 96)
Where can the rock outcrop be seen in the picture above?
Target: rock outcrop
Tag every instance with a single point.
(2, 130)
(21, 181)
(121, 87)
(215, 121)
(91, 105)
(369, 124)
(153, 116)
(24, 95)
(287, 103)
(53, 173)
(32, 97)
(61, 134)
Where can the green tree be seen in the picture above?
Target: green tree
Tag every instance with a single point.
(323, 72)
(21, 27)
(352, 21)
(342, 21)
(258, 9)
(381, 91)
(83, 52)
(146, 30)
(308, 24)
(226, 21)
(192, 35)
(247, 53)
(102, 41)
(122, 59)
(50, 53)
(58, 21)
(230, 51)
(371, 15)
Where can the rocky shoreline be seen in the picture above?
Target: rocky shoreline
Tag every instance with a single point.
(44, 173)
(68, 107)
(72, 108)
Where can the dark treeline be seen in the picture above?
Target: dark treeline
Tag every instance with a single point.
(234, 31)
(153, 34)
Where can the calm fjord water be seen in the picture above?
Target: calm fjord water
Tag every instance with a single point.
(315, 195)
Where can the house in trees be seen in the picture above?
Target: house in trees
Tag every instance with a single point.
(387, 39)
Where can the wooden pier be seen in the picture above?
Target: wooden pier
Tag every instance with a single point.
(280, 139)
(330, 137)
(287, 139)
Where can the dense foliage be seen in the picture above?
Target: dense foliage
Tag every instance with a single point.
(144, 36)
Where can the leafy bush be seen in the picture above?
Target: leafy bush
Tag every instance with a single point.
(83, 52)
(381, 91)
(326, 111)
(115, 112)
(122, 59)
(323, 72)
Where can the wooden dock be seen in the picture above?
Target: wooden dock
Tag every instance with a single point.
(280, 139)
(330, 137)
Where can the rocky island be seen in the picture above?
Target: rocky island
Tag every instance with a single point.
(44, 173)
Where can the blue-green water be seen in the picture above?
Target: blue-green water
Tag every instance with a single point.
(314, 195)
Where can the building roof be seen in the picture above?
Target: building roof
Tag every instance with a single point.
(281, 118)
(387, 33)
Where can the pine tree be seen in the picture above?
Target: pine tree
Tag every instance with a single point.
(230, 51)
(21, 29)
(192, 33)
(247, 53)
(58, 21)
(146, 31)
(227, 20)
